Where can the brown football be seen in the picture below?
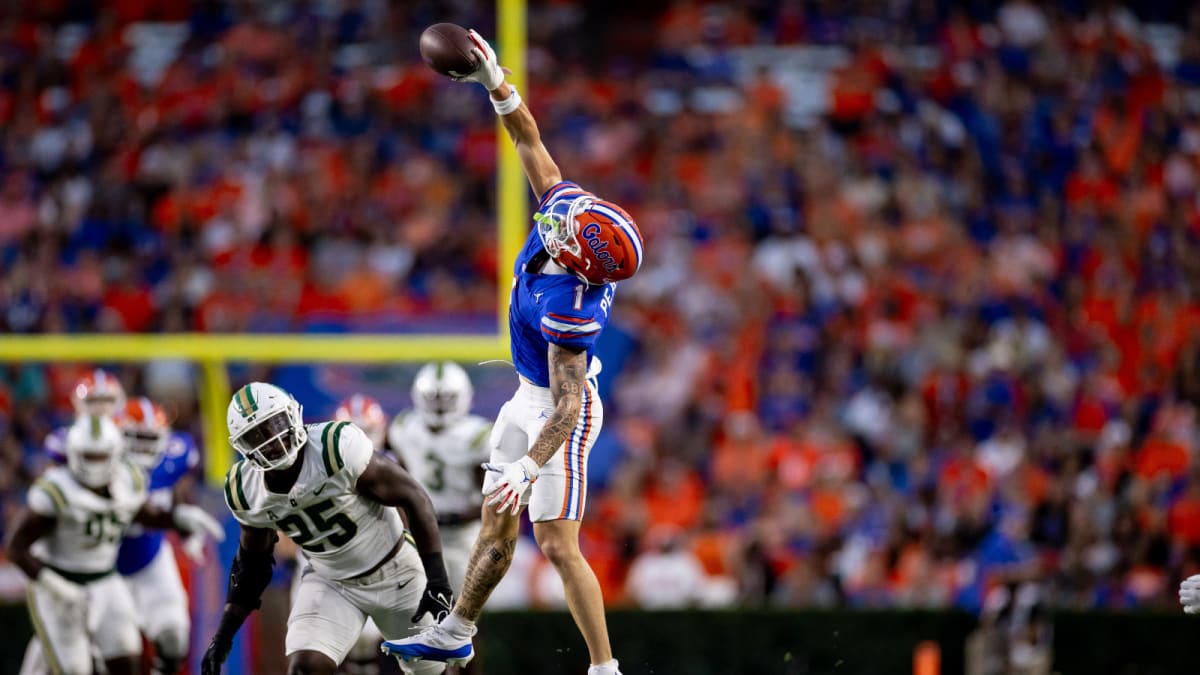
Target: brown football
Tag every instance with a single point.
(446, 47)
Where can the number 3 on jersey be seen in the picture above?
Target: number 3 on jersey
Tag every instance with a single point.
(437, 478)
(310, 533)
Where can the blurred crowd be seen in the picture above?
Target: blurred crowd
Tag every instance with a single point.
(939, 339)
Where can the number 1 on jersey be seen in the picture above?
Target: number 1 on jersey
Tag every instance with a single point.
(579, 296)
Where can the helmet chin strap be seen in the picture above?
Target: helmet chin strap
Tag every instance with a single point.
(552, 267)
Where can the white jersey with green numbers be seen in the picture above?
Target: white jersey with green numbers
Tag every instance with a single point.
(88, 526)
(445, 462)
(342, 533)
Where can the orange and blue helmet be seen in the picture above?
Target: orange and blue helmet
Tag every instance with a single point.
(367, 414)
(146, 430)
(98, 393)
(592, 238)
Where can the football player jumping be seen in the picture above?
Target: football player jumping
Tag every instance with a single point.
(562, 294)
(324, 486)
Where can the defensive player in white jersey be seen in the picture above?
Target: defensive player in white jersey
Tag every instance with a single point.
(67, 540)
(443, 446)
(145, 559)
(563, 286)
(324, 487)
(366, 413)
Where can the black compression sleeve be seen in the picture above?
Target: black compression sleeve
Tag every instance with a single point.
(435, 570)
(249, 577)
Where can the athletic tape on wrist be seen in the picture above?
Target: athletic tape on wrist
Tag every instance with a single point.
(508, 105)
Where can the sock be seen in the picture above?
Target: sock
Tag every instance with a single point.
(609, 668)
(458, 626)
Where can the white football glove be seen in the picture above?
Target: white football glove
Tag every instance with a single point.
(194, 547)
(488, 73)
(196, 521)
(71, 595)
(515, 479)
(1189, 594)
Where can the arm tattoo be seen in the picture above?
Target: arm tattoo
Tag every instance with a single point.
(568, 373)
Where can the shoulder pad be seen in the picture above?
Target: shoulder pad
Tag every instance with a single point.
(55, 492)
(331, 446)
(136, 475)
(235, 494)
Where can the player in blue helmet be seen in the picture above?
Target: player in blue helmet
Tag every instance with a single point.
(563, 287)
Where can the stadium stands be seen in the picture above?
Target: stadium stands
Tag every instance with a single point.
(920, 311)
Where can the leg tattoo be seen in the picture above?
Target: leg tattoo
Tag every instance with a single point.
(490, 559)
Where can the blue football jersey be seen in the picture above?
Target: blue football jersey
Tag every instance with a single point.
(141, 545)
(552, 308)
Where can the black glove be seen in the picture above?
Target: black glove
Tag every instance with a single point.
(164, 665)
(214, 658)
(437, 600)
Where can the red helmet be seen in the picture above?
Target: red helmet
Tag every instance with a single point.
(365, 412)
(146, 431)
(594, 239)
(98, 393)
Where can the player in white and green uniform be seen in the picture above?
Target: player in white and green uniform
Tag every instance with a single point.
(67, 543)
(443, 446)
(323, 486)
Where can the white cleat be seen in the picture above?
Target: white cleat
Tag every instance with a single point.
(431, 644)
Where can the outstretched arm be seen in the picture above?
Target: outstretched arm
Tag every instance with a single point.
(385, 482)
(248, 579)
(539, 167)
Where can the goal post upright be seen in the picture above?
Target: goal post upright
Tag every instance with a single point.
(511, 190)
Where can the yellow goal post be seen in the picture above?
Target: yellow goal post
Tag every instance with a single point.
(213, 352)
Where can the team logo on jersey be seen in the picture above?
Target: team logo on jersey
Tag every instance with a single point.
(591, 234)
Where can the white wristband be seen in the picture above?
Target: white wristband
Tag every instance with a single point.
(530, 467)
(509, 105)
